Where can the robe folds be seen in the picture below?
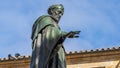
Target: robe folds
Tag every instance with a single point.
(47, 48)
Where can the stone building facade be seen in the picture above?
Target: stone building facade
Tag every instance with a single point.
(99, 58)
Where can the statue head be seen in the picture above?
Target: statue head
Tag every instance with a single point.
(56, 11)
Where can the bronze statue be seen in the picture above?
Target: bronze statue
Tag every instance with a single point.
(47, 45)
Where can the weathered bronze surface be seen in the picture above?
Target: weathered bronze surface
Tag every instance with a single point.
(47, 45)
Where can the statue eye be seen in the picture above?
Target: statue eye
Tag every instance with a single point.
(60, 12)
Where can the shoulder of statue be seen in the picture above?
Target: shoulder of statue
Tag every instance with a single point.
(43, 18)
(47, 17)
(44, 21)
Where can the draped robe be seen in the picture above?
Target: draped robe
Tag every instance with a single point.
(47, 48)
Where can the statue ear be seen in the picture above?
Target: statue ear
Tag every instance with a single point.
(51, 11)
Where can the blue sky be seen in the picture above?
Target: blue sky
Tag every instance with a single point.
(99, 21)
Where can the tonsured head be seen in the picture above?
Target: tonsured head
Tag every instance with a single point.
(56, 11)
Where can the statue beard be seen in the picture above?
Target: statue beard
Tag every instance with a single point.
(57, 16)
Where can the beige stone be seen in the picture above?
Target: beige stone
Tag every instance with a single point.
(109, 58)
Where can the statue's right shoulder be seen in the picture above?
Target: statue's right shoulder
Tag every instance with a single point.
(41, 19)
(45, 19)
(44, 16)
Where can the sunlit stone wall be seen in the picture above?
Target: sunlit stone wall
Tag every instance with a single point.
(99, 58)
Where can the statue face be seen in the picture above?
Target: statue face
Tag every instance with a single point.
(57, 13)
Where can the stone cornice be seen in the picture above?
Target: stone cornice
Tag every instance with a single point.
(76, 54)
(94, 51)
(15, 59)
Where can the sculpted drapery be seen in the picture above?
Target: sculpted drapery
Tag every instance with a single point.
(47, 45)
(48, 51)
